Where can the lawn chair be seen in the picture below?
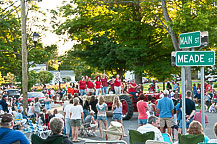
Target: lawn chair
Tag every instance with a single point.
(114, 131)
(155, 142)
(190, 139)
(167, 138)
(138, 138)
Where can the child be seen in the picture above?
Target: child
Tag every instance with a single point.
(117, 111)
(151, 106)
(212, 107)
(90, 119)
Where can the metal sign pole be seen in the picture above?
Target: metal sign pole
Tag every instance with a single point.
(202, 98)
(183, 101)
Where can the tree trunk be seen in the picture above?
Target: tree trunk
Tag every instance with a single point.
(176, 45)
(164, 85)
(138, 78)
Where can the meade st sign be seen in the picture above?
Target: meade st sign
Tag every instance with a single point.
(189, 40)
(195, 58)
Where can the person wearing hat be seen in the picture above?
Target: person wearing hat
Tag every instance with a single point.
(90, 119)
(165, 108)
(7, 134)
(4, 104)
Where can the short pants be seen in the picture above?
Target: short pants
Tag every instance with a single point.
(75, 122)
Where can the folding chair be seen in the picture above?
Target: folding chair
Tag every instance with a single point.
(190, 139)
(167, 138)
(155, 142)
(138, 138)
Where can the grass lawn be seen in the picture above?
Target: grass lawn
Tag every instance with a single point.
(146, 85)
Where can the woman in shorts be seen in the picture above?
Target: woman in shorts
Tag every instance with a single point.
(101, 115)
(117, 111)
(142, 109)
(76, 115)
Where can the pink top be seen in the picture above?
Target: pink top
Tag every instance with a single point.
(141, 106)
(198, 116)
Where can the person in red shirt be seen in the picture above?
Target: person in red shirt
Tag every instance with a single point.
(112, 84)
(132, 89)
(90, 86)
(117, 84)
(104, 84)
(82, 86)
(142, 109)
(98, 85)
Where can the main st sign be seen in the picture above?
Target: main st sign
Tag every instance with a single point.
(195, 58)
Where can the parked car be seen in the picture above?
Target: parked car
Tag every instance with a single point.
(12, 93)
(33, 95)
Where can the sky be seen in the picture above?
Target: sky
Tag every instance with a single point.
(51, 38)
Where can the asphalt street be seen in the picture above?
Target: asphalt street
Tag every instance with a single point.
(133, 125)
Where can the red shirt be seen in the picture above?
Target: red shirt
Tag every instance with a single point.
(98, 84)
(197, 117)
(112, 85)
(117, 82)
(104, 82)
(90, 84)
(141, 106)
(132, 89)
(82, 84)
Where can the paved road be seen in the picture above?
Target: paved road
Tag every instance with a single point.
(133, 124)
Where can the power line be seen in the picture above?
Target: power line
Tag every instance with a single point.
(9, 12)
(8, 7)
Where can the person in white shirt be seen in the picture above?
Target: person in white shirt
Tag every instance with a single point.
(67, 101)
(76, 115)
(57, 114)
(67, 117)
(153, 124)
(215, 130)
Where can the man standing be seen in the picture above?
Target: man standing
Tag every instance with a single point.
(153, 124)
(3, 103)
(165, 108)
(132, 89)
(189, 110)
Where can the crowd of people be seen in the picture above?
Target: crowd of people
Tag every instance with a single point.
(161, 115)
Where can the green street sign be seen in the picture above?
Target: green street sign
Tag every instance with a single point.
(190, 40)
(195, 58)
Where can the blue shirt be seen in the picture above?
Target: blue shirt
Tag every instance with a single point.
(13, 136)
(165, 105)
(179, 111)
(175, 86)
(18, 117)
(194, 90)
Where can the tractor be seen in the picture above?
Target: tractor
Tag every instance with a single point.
(129, 104)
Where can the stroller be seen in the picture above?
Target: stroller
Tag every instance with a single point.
(86, 129)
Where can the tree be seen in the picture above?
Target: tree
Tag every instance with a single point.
(33, 78)
(187, 16)
(2, 80)
(10, 78)
(131, 33)
(44, 77)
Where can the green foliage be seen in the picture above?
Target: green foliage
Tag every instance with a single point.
(116, 37)
(44, 77)
(32, 79)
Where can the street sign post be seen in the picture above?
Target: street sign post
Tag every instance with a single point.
(190, 40)
(195, 58)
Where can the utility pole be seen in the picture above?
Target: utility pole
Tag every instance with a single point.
(24, 56)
